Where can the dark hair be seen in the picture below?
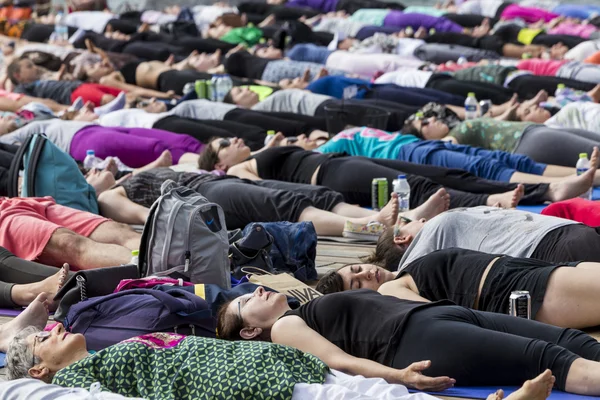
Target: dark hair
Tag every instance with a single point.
(387, 253)
(409, 128)
(13, 69)
(228, 99)
(208, 156)
(332, 282)
(229, 325)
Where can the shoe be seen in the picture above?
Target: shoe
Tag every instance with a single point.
(370, 231)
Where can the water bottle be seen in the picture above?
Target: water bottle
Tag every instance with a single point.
(214, 96)
(135, 257)
(402, 187)
(226, 83)
(471, 106)
(583, 164)
(60, 27)
(560, 91)
(91, 161)
(189, 88)
(270, 136)
(462, 60)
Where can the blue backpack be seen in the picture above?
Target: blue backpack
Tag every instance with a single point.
(110, 319)
(49, 171)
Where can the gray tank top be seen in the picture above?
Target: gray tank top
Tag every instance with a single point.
(487, 229)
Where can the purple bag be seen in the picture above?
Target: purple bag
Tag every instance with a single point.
(107, 320)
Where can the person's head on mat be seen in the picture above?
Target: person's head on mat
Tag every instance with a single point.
(217, 31)
(41, 354)
(22, 71)
(241, 96)
(354, 276)
(95, 71)
(533, 113)
(8, 123)
(426, 128)
(268, 51)
(393, 243)
(100, 180)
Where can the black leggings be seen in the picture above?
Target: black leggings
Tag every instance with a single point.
(245, 201)
(527, 86)
(15, 270)
(352, 176)
(482, 349)
(556, 146)
(289, 126)
(510, 34)
(489, 42)
(468, 20)
(351, 6)
(203, 130)
(483, 90)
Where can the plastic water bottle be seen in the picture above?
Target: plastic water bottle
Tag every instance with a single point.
(402, 187)
(560, 91)
(135, 257)
(471, 106)
(60, 27)
(214, 96)
(226, 83)
(91, 161)
(270, 136)
(583, 164)
(462, 60)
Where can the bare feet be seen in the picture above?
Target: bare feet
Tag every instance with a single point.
(23, 295)
(436, 204)
(388, 214)
(112, 166)
(35, 314)
(538, 388)
(507, 200)
(595, 93)
(574, 186)
(186, 63)
(164, 160)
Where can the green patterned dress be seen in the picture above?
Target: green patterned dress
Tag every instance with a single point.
(170, 366)
(490, 134)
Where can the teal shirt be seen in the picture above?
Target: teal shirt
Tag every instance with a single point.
(367, 142)
(434, 12)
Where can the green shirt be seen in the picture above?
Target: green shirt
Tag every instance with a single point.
(489, 133)
(165, 366)
(249, 35)
(434, 12)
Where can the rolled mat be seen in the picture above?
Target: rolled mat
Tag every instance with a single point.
(479, 392)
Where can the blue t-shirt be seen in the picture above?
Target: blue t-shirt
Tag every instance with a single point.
(334, 86)
(309, 52)
(367, 142)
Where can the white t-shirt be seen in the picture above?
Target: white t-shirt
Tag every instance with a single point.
(131, 118)
(206, 15)
(407, 77)
(578, 115)
(345, 26)
(487, 8)
(583, 50)
(292, 100)
(89, 20)
(202, 109)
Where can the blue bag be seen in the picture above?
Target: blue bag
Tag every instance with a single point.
(49, 171)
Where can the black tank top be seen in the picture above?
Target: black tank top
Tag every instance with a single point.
(289, 164)
(361, 322)
(452, 274)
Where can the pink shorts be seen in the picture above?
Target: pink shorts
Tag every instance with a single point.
(27, 224)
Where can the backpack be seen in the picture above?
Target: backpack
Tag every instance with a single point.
(110, 319)
(49, 171)
(185, 234)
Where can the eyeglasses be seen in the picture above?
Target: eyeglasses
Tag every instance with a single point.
(223, 143)
(397, 228)
(39, 337)
(240, 309)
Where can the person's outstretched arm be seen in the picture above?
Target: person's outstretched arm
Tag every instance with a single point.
(399, 288)
(115, 204)
(293, 331)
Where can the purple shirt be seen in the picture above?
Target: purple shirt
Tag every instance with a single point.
(324, 6)
(400, 20)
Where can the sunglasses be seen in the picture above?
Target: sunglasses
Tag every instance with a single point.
(223, 143)
(40, 337)
(401, 219)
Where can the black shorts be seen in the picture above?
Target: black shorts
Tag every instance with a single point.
(510, 274)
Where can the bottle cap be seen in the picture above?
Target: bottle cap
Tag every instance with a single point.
(432, 31)
(401, 176)
(582, 155)
(471, 94)
(526, 56)
(135, 253)
(560, 86)
(270, 133)
(90, 153)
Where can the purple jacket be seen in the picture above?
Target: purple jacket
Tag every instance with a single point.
(400, 20)
(323, 6)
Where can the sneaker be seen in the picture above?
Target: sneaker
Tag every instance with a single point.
(370, 231)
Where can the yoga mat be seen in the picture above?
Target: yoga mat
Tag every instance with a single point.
(10, 312)
(483, 392)
(2, 360)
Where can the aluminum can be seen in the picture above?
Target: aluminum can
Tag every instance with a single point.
(379, 193)
(485, 106)
(201, 89)
(520, 304)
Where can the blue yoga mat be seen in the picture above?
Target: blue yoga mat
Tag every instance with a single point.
(483, 392)
(538, 209)
(2, 358)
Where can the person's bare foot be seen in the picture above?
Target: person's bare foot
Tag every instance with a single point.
(388, 214)
(538, 388)
(595, 93)
(510, 114)
(112, 167)
(164, 160)
(574, 186)
(507, 200)
(186, 63)
(540, 97)
(436, 204)
(500, 109)
(144, 27)
(170, 60)
(36, 314)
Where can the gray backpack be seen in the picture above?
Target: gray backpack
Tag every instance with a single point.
(185, 234)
